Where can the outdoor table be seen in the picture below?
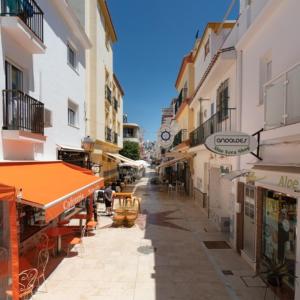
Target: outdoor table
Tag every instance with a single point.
(58, 232)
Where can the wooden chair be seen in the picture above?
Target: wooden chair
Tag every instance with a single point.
(46, 243)
(77, 241)
(27, 280)
(43, 259)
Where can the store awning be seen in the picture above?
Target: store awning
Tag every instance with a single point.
(52, 186)
(124, 159)
(235, 174)
(180, 157)
(69, 148)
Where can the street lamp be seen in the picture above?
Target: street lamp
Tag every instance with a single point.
(88, 145)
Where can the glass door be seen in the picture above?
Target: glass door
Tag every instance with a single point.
(249, 222)
(13, 104)
(279, 231)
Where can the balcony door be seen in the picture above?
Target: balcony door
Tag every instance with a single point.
(14, 85)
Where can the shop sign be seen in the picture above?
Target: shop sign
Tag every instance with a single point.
(231, 143)
(165, 136)
(288, 183)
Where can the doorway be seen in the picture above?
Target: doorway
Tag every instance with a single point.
(249, 221)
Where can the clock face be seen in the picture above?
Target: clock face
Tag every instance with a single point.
(165, 135)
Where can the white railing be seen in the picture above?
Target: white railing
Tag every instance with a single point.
(282, 99)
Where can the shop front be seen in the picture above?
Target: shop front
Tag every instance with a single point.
(270, 222)
(41, 194)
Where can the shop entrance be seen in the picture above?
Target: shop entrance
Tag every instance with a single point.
(249, 222)
(279, 231)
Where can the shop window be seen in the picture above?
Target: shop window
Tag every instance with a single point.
(279, 231)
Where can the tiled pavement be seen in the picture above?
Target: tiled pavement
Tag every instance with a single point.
(162, 257)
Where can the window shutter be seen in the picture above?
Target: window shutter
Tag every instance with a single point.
(47, 118)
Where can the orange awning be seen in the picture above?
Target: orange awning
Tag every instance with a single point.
(52, 186)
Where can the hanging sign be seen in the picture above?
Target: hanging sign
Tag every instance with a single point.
(230, 143)
(165, 136)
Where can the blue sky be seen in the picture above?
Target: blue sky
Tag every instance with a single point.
(153, 37)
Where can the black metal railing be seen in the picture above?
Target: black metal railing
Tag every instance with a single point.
(220, 121)
(108, 134)
(28, 11)
(180, 137)
(22, 112)
(108, 93)
(181, 97)
(115, 138)
(115, 104)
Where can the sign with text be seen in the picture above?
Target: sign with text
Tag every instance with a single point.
(230, 143)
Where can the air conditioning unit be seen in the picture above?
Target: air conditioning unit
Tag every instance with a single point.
(224, 224)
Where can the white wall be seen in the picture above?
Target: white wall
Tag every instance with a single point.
(52, 81)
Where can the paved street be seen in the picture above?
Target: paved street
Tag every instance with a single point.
(163, 257)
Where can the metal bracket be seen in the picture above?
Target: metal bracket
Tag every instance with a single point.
(257, 154)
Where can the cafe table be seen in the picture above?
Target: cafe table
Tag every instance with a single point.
(58, 232)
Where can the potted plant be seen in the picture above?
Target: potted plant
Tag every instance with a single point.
(274, 271)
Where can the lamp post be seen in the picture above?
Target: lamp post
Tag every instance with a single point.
(88, 145)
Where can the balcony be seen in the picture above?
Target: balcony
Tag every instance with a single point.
(23, 19)
(282, 103)
(181, 97)
(108, 134)
(115, 104)
(23, 116)
(115, 138)
(180, 137)
(108, 94)
(220, 121)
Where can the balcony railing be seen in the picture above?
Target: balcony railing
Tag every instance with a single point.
(115, 138)
(22, 112)
(108, 134)
(115, 104)
(180, 137)
(282, 102)
(28, 11)
(108, 93)
(220, 121)
(181, 97)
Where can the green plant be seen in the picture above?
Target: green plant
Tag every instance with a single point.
(275, 271)
(131, 150)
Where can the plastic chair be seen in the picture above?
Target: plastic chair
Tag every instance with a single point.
(46, 243)
(76, 241)
(171, 188)
(43, 259)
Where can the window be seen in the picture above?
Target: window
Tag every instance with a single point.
(222, 101)
(72, 114)
(206, 48)
(72, 60)
(265, 75)
(48, 118)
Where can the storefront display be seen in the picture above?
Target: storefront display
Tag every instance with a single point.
(279, 230)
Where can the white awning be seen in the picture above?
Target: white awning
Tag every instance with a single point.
(69, 148)
(122, 158)
(235, 174)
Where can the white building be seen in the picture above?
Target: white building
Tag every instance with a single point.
(214, 108)
(42, 54)
(268, 90)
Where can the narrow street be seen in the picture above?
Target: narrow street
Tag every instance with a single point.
(162, 257)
